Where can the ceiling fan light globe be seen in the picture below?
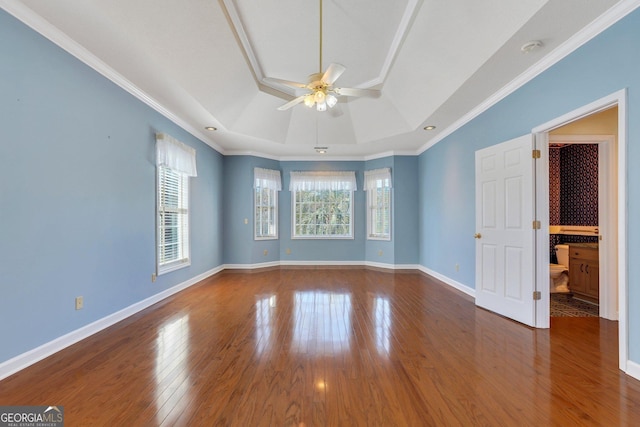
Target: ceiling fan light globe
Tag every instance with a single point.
(321, 106)
(320, 97)
(309, 101)
(331, 101)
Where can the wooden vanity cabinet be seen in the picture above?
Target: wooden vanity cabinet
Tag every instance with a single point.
(584, 272)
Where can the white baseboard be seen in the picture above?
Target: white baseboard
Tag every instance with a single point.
(457, 285)
(30, 357)
(250, 266)
(392, 266)
(322, 263)
(633, 369)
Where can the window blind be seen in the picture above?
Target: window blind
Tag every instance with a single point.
(173, 219)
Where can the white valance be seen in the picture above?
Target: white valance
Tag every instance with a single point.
(175, 155)
(267, 178)
(323, 180)
(377, 178)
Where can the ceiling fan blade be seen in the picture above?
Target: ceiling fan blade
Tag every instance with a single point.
(291, 103)
(285, 82)
(333, 72)
(345, 91)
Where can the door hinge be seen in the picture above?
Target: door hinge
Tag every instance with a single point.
(537, 295)
(536, 154)
(537, 225)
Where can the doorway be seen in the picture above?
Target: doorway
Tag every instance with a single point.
(598, 209)
(612, 217)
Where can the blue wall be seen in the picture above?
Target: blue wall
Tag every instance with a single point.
(77, 194)
(239, 244)
(406, 207)
(241, 248)
(608, 63)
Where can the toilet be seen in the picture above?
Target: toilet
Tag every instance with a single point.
(560, 272)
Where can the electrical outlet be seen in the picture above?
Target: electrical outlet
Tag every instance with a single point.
(380, 252)
(265, 252)
(79, 303)
(246, 220)
(288, 251)
(153, 277)
(457, 267)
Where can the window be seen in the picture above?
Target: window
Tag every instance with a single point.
(266, 185)
(377, 184)
(175, 164)
(322, 204)
(173, 219)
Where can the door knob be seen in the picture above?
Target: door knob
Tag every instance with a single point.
(477, 236)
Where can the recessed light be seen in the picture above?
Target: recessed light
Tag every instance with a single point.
(531, 46)
(430, 127)
(211, 128)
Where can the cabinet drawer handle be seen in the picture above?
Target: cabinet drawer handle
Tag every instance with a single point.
(581, 270)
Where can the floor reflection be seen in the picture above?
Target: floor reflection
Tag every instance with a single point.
(172, 370)
(265, 315)
(322, 322)
(382, 324)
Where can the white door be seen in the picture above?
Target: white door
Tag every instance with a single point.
(505, 255)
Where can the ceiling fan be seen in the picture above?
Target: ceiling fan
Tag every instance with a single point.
(322, 92)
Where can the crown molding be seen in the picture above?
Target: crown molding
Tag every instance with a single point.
(583, 36)
(59, 38)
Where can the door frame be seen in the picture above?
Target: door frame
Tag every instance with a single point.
(541, 133)
(607, 218)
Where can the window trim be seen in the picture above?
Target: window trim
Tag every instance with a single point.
(266, 179)
(273, 195)
(322, 181)
(180, 159)
(370, 234)
(372, 180)
(185, 261)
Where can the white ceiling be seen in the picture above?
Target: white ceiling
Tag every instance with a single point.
(201, 62)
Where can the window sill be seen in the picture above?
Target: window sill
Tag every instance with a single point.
(388, 239)
(176, 265)
(322, 238)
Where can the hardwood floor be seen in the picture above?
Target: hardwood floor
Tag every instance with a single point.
(333, 347)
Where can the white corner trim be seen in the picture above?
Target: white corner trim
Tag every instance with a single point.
(250, 266)
(30, 357)
(392, 266)
(59, 38)
(604, 21)
(448, 281)
(633, 369)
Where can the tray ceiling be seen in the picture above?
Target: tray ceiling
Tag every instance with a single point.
(204, 61)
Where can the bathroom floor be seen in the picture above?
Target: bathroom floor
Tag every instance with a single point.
(564, 305)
